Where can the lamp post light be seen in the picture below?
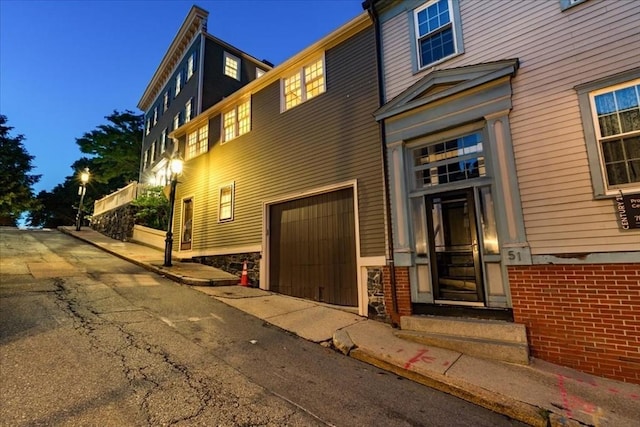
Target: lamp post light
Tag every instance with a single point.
(84, 178)
(175, 168)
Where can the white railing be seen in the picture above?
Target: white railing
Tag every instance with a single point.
(117, 198)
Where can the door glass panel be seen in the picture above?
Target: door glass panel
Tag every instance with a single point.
(488, 221)
(456, 269)
(187, 224)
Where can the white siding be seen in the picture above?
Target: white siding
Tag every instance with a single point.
(557, 51)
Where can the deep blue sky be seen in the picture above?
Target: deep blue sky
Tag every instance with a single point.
(66, 64)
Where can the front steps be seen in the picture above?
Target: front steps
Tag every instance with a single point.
(488, 339)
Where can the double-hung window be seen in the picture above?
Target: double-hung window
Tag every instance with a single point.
(616, 117)
(155, 116)
(237, 121)
(191, 65)
(437, 31)
(231, 66)
(147, 126)
(178, 82)
(163, 141)
(304, 84)
(197, 142)
(188, 110)
(225, 206)
(176, 121)
(165, 101)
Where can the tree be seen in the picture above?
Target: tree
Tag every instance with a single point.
(152, 209)
(114, 149)
(15, 181)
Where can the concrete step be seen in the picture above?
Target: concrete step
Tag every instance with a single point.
(489, 339)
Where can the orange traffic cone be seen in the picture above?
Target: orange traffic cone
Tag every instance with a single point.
(244, 279)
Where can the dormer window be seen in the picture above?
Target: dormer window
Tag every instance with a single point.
(231, 66)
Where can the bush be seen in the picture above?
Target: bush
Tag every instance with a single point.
(152, 208)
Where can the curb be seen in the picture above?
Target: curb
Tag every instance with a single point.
(495, 402)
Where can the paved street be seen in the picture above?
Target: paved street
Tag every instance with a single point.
(89, 339)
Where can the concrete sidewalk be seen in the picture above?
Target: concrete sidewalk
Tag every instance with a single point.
(540, 394)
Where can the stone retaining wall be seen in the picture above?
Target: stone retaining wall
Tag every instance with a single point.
(116, 223)
(233, 264)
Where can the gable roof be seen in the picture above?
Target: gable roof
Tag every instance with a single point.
(443, 83)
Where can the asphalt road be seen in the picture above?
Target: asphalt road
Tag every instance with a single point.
(87, 339)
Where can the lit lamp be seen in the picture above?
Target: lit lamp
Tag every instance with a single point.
(84, 178)
(175, 168)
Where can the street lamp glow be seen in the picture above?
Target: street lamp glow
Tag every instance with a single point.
(176, 166)
(84, 179)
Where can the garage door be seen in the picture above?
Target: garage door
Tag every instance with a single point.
(312, 249)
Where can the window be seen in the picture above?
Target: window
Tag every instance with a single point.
(155, 116)
(436, 30)
(165, 101)
(616, 117)
(259, 72)
(163, 141)
(145, 159)
(237, 121)
(231, 66)
(191, 65)
(147, 126)
(225, 208)
(566, 4)
(178, 83)
(198, 142)
(453, 160)
(305, 84)
(176, 121)
(188, 111)
(152, 151)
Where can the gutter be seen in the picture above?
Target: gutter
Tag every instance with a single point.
(369, 6)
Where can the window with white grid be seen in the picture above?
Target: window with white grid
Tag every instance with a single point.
(231, 66)
(165, 101)
(616, 116)
(306, 83)
(225, 206)
(197, 142)
(237, 121)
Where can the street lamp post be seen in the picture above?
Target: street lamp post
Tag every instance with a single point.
(175, 168)
(84, 178)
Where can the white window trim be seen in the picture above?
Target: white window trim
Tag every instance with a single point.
(165, 102)
(178, 83)
(197, 144)
(176, 121)
(236, 124)
(163, 141)
(301, 74)
(155, 116)
(191, 65)
(592, 132)
(232, 186)
(454, 15)
(188, 110)
(224, 65)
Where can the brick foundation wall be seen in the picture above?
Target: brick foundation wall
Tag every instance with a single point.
(586, 317)
(403, 292)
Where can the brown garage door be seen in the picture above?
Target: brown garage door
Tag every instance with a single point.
(312, 249)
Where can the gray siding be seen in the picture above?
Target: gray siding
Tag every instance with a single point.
(557, 51)
(330, 139)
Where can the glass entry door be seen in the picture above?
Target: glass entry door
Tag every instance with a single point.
(453, 240)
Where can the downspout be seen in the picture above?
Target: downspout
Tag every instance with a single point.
(395, 316)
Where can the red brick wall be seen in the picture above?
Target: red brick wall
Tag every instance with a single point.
(403, 292)
(586, 317)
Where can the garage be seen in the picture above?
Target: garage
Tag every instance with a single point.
(312, 248)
